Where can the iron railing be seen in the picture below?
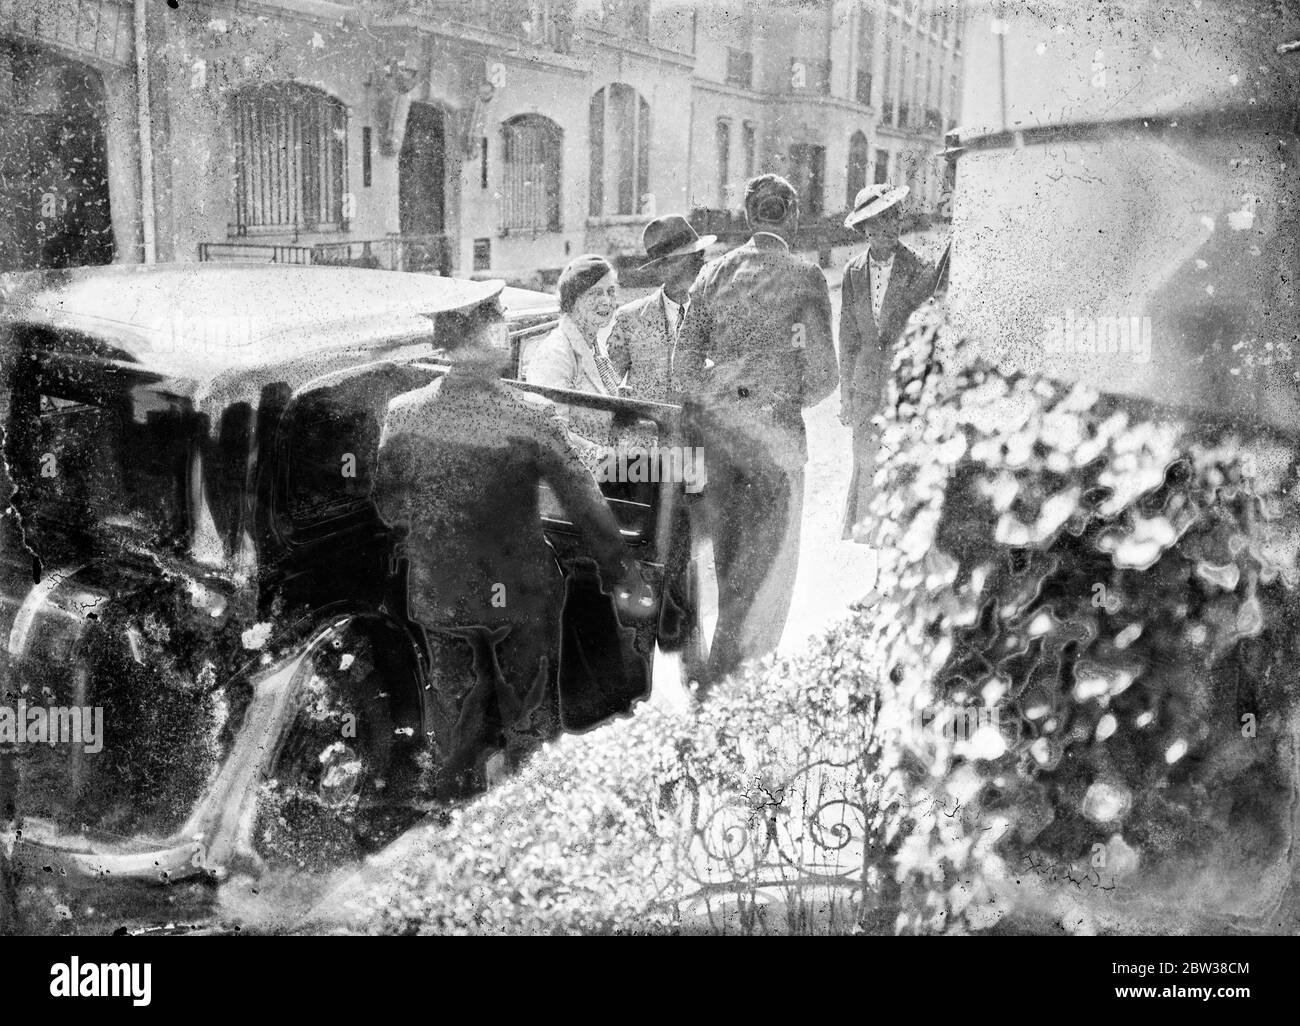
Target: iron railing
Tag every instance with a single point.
(253, 253)
(424, 253)
(430, 254)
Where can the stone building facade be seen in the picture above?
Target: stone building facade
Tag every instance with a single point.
(475, 137)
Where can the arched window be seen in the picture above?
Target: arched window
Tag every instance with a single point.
(858, 160)
(620, 151)
(290, 158)
(530, 194)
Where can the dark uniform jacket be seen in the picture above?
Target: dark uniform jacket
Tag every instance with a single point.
(460, 464)
(763, 317)
(866, 348)
(460, 461)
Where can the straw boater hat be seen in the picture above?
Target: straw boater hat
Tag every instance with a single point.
(672, 236)
(875, 199)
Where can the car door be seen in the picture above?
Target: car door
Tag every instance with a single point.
(605, 665)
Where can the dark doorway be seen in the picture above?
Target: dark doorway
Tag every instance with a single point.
(420, 172)
(882, 167)
(421, 194)
(54, 205)
(857, 172)
(807, 175)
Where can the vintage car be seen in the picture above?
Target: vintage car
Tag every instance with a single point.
(191, 551)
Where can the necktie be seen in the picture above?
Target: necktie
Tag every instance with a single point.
(608, 376)
(677, 334)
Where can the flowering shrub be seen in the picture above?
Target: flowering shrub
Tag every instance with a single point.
(1119, 581)
(746, 814)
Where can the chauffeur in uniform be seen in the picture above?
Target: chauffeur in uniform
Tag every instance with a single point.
(755, 349)
(644, 338)
(882, 286)
(460, 461)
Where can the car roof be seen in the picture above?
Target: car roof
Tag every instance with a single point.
(196, 320)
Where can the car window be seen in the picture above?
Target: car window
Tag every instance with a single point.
(94, 450)
(329, 459)
(330, 441)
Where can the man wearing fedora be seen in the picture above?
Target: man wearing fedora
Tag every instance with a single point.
(756, 348)
(644, 337)
(882, 286)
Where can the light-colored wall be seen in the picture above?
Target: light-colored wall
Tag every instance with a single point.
(205, 61)
(559, 94)
(202, 53)
(712, 103)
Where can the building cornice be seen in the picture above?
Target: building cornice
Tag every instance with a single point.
(507, 47)
(320, 12)
(708, 85)
(816, 102)
(325, 12)
(896, 132)
(782, 99)
(638, 47)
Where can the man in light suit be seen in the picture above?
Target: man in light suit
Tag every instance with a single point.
(882, 286)
(756, 349)
(644, 337)
(642, 345)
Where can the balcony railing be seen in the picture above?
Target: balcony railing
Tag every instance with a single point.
(546, 23)
(253, 253)
(430, 254)
(729, 226)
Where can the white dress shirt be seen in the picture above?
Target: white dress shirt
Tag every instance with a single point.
(879, 273)
(674, 314)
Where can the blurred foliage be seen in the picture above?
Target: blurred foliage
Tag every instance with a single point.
(1118, 581)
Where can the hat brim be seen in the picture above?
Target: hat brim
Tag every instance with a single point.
(877, 206)
(461, 295)
(698, 246)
